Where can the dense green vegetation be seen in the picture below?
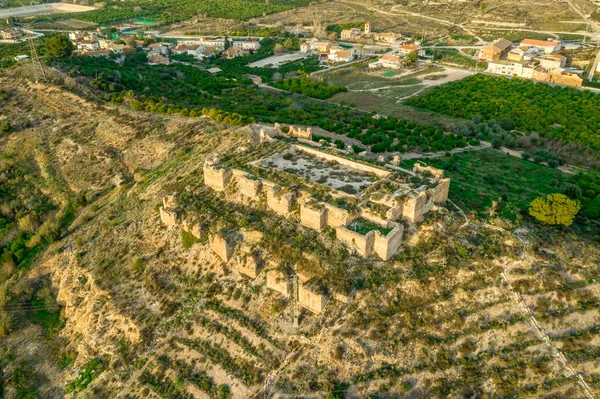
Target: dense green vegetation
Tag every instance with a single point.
(585, 187)
(169, 11)
(310, 88)
(480, 178)
(9, 51)
(561, 113)
(189, 91)
(92, 369)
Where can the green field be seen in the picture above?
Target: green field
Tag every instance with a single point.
(479, 177)
(566, 114)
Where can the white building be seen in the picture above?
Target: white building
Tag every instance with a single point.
(251, 45)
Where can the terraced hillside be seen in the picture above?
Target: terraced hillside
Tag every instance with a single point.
(115, 304)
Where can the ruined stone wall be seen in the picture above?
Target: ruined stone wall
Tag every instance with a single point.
(279, 282)
(249, 264)
(387, 246)
(344, 161)
(215, 177)
(221, 247)
(428, 205)
(413, 207)
(362, 244)
(281, 204)
(341, 297)
(311, 300)
(313, 216)
(192, 228)
(438, 174)
(441, 191)
(395, 212)
(365, 213)
(248, 186)
(337, 217)
(300, 133)
(168, 217)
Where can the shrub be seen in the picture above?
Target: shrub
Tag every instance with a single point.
(188, 239)
(554, 209)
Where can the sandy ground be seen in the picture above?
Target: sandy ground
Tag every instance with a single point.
(316, 170)
(41, 9)
(278, 59)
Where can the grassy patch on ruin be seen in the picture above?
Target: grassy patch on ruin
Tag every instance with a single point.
(363, 226)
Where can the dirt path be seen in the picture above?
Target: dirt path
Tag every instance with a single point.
(442, 21)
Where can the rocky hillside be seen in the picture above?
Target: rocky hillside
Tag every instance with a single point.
(99, 299)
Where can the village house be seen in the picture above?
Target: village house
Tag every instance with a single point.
(406, 49)
(218, 43)
(351, 35)
(249, 45)
(388, 61)
(546, 46)
(195, 50)
(180, 49)
(157, 59)
(304, 47)
(98, 53)
(561, 77)
(342, 56)
(210, 52)
(161, 48)
(553, 61)
(88, 45)
(387, 37)
(234, 52)
(521, 53)
(495, 50)
(321, 47)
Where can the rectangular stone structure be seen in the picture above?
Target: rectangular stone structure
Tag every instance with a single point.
(248, 186)
(281, 204)
(387, 246)
(277, 281)
(215, 177)
(221, 247)
(169, 218)
(313, 216)
(337, 217)
(310, 299)
(362, 244)
(413, 207)
(249, 264)
(441, 191)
